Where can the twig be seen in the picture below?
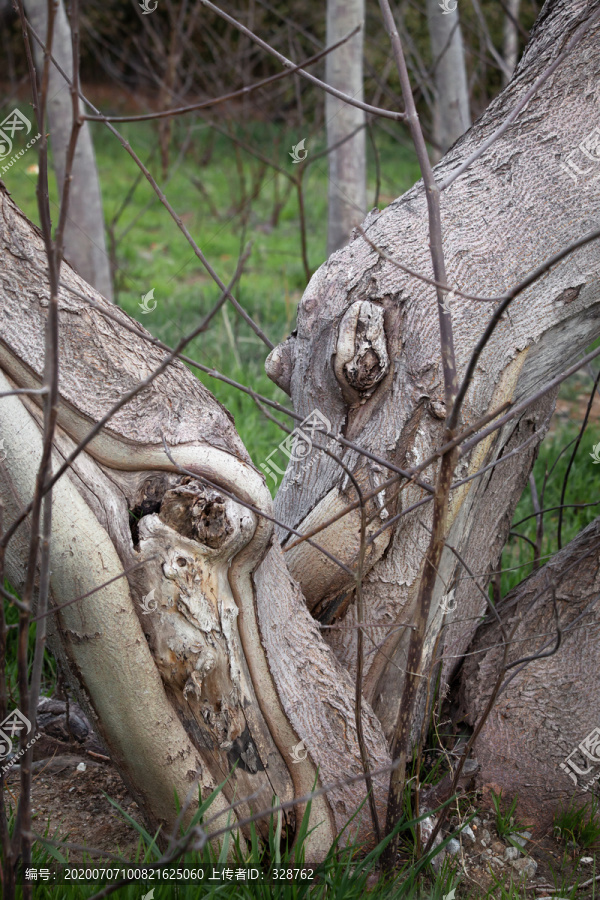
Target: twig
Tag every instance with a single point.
(352, 101)
(232, 95)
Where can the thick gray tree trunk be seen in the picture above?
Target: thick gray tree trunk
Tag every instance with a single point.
(207, 655)
(542, 739)
(84, 241)
(345, 124)
(452, 117)
(515, 206)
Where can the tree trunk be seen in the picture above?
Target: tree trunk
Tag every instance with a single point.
(84, 240)
(207, 655)
(493, 237)
(542, 740)
(511, 38)
(452, 117)
(346, 140)
(187, 666)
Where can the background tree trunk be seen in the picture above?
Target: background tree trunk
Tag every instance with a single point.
(84, 240)
(511, 38)
(452, 117)
(346, 139)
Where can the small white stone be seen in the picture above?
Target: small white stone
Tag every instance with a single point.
(469, 833)
(587, 860)
(511, 853)
(526, 867)
(453, 847)
(81, 767)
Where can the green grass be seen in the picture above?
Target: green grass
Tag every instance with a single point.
(583, 487)
(579, 824)
(505, 818)
(49, 673)
(348, 871)
(152, 253)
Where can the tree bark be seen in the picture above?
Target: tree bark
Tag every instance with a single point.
(492, 217)
(223, 662)
(452, 116)
(188, 666)
(84, 240)
(346, 139)
(530, 744)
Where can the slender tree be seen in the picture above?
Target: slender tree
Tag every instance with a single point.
(184, 620)
(451, 115)
(85, 245)
(346, 139)
(511, 38)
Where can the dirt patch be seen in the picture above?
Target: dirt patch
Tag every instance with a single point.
(69, 800)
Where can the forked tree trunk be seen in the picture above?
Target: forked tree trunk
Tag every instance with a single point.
(524, 199)
(207, 655)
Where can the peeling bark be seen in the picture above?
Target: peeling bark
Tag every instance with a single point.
(208, 655)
